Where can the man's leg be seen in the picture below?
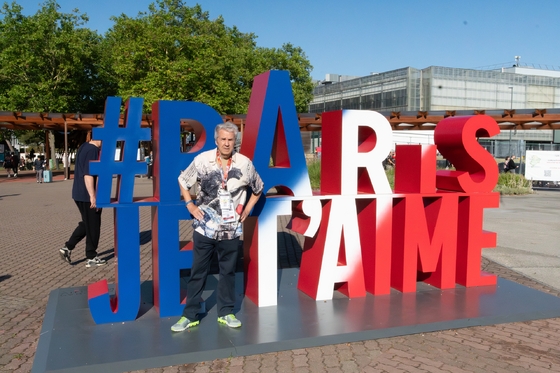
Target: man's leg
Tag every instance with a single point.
(92, 220)
(203, 249)
(79, 233)
(227, 257)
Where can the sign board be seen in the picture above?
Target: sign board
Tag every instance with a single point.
(542, 165)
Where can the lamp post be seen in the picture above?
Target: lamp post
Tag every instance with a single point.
(511, 115)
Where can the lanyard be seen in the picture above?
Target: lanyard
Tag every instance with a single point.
(224, 174)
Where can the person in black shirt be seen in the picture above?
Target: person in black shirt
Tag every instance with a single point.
(511, 166)
(83, 193)
(15, 163)
(8, 164)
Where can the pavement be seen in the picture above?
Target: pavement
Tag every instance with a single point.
(38, 218)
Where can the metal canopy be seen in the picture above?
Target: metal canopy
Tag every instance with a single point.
(407, 120)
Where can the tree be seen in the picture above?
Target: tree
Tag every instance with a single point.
(293, 59)
(175, 52)
(48, 62)
(31, 137)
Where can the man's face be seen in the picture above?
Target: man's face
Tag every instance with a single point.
(225, 143)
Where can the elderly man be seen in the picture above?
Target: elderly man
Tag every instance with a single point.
(223, 176)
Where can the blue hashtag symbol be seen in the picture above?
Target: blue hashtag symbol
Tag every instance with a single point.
(130, 134)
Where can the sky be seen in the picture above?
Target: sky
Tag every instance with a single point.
(360, 37)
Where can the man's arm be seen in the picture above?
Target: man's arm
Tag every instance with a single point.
(88, 180)
(192, 207)
(252, 202)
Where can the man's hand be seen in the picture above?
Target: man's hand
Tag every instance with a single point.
(243, 215)
(197, 213)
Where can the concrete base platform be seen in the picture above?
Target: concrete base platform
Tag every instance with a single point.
(71, 342)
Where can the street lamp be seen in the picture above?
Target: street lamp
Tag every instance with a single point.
(511, 115)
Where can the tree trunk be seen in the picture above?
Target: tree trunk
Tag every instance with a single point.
(53, 151)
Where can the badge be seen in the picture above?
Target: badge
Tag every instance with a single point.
(226, 205)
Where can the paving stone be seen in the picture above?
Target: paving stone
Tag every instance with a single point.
(531, 346)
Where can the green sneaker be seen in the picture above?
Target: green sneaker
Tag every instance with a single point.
(183, 324)
(230, 321)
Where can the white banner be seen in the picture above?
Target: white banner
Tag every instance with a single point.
(542, 165)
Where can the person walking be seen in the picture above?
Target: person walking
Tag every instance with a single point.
(511, 166)
(150, 161)
(83, 194)
(8, 164)
(39, 167)
(505, 167)
(219, 210)
(15, 163)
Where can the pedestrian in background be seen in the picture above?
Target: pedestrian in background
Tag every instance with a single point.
(511, 166)
(39, 167)
(15, 163)
(7, 163)
(318, 151)
(83, 193)
(150, 162)
(505, 167)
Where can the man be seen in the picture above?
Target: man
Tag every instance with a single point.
(511, 166)
(390, 160)
(223, 176)
(15, 163)
(8, 163)
(83, 193)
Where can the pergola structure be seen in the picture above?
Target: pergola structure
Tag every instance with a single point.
(408, 120)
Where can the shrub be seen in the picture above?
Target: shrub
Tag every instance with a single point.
(508, 183)
(314, 169)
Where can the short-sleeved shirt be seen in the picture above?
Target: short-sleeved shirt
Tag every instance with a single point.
(86, 153)
(208, 173)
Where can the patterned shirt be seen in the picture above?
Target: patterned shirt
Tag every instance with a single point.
(208, 173)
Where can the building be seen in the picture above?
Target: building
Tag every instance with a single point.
(445, 88)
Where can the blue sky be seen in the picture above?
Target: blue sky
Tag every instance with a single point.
(357, 37)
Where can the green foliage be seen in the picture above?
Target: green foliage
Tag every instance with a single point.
(48, 62)
(31, 137)
(175, 52)
(314, 170)
(294, 60)
(509, 183)
(390, 172)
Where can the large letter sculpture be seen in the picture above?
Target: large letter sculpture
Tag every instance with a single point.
(360, 236)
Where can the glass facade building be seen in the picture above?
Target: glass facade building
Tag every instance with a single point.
(445, 88)
(441, 88)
